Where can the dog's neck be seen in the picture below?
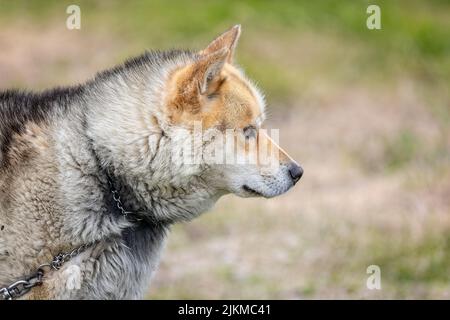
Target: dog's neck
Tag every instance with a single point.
(92, 215)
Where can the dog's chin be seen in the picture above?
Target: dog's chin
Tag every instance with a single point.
(250, 192)
(247, 191)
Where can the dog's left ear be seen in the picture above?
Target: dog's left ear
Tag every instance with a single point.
(228, 40)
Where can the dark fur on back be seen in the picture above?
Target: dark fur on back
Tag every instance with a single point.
(18, 108)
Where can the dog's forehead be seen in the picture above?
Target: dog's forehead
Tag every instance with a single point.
(243, 99)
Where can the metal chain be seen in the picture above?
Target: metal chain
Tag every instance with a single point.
(119, 204)
(62, 258)
(21, 287)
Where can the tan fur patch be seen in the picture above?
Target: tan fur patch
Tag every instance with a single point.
(39, 293)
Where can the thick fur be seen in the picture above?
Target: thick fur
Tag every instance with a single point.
(59, 147)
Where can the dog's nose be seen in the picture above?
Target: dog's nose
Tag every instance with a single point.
(295, 171)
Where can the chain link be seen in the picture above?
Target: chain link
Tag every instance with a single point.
(119, 204)
(117, 200)
(62, 258)
(21, 287)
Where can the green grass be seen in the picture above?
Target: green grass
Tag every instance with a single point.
(425, 262)
(400, 150)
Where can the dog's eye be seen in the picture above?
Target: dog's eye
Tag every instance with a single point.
(213, 95)
(250, 132)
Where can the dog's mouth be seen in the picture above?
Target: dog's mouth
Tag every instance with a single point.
(251, 191)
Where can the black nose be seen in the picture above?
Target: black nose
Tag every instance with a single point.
(295, 171)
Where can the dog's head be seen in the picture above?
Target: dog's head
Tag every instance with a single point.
(223, 112)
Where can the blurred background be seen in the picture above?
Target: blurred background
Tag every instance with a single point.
(366, 113)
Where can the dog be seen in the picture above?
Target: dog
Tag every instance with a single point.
(89, 187)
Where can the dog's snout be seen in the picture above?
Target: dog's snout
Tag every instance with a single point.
(295, 171)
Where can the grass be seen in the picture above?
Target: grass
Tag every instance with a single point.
(416, 263)
(401, 150)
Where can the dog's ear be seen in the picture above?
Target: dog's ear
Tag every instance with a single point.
(189, 85)
(207, 70)
(228, 39)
